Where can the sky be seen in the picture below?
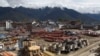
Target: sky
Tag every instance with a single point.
(83, 6)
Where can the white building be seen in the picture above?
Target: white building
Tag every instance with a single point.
(60, 26)
(8, 24)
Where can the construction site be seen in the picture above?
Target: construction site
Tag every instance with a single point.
(32, 39)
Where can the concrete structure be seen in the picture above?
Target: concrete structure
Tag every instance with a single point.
(8, 24)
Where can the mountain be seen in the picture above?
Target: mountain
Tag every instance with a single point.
(21, 13)
(7, 13)
(95, 16)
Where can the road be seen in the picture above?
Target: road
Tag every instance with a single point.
(88, 53)
(85, 51)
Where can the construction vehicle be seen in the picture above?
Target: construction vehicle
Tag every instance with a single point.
(30, 48)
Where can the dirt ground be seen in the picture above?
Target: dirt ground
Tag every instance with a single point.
(91, 40)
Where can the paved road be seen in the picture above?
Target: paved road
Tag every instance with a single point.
(88, 53)
(84, 51)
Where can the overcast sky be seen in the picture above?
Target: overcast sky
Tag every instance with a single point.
(83, 6)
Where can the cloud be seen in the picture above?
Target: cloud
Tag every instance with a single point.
(4, 3)
(83, 6)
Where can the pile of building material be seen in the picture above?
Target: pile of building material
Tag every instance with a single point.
(5, 53)
(54, 36)
(90, 33)
(68, 45)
